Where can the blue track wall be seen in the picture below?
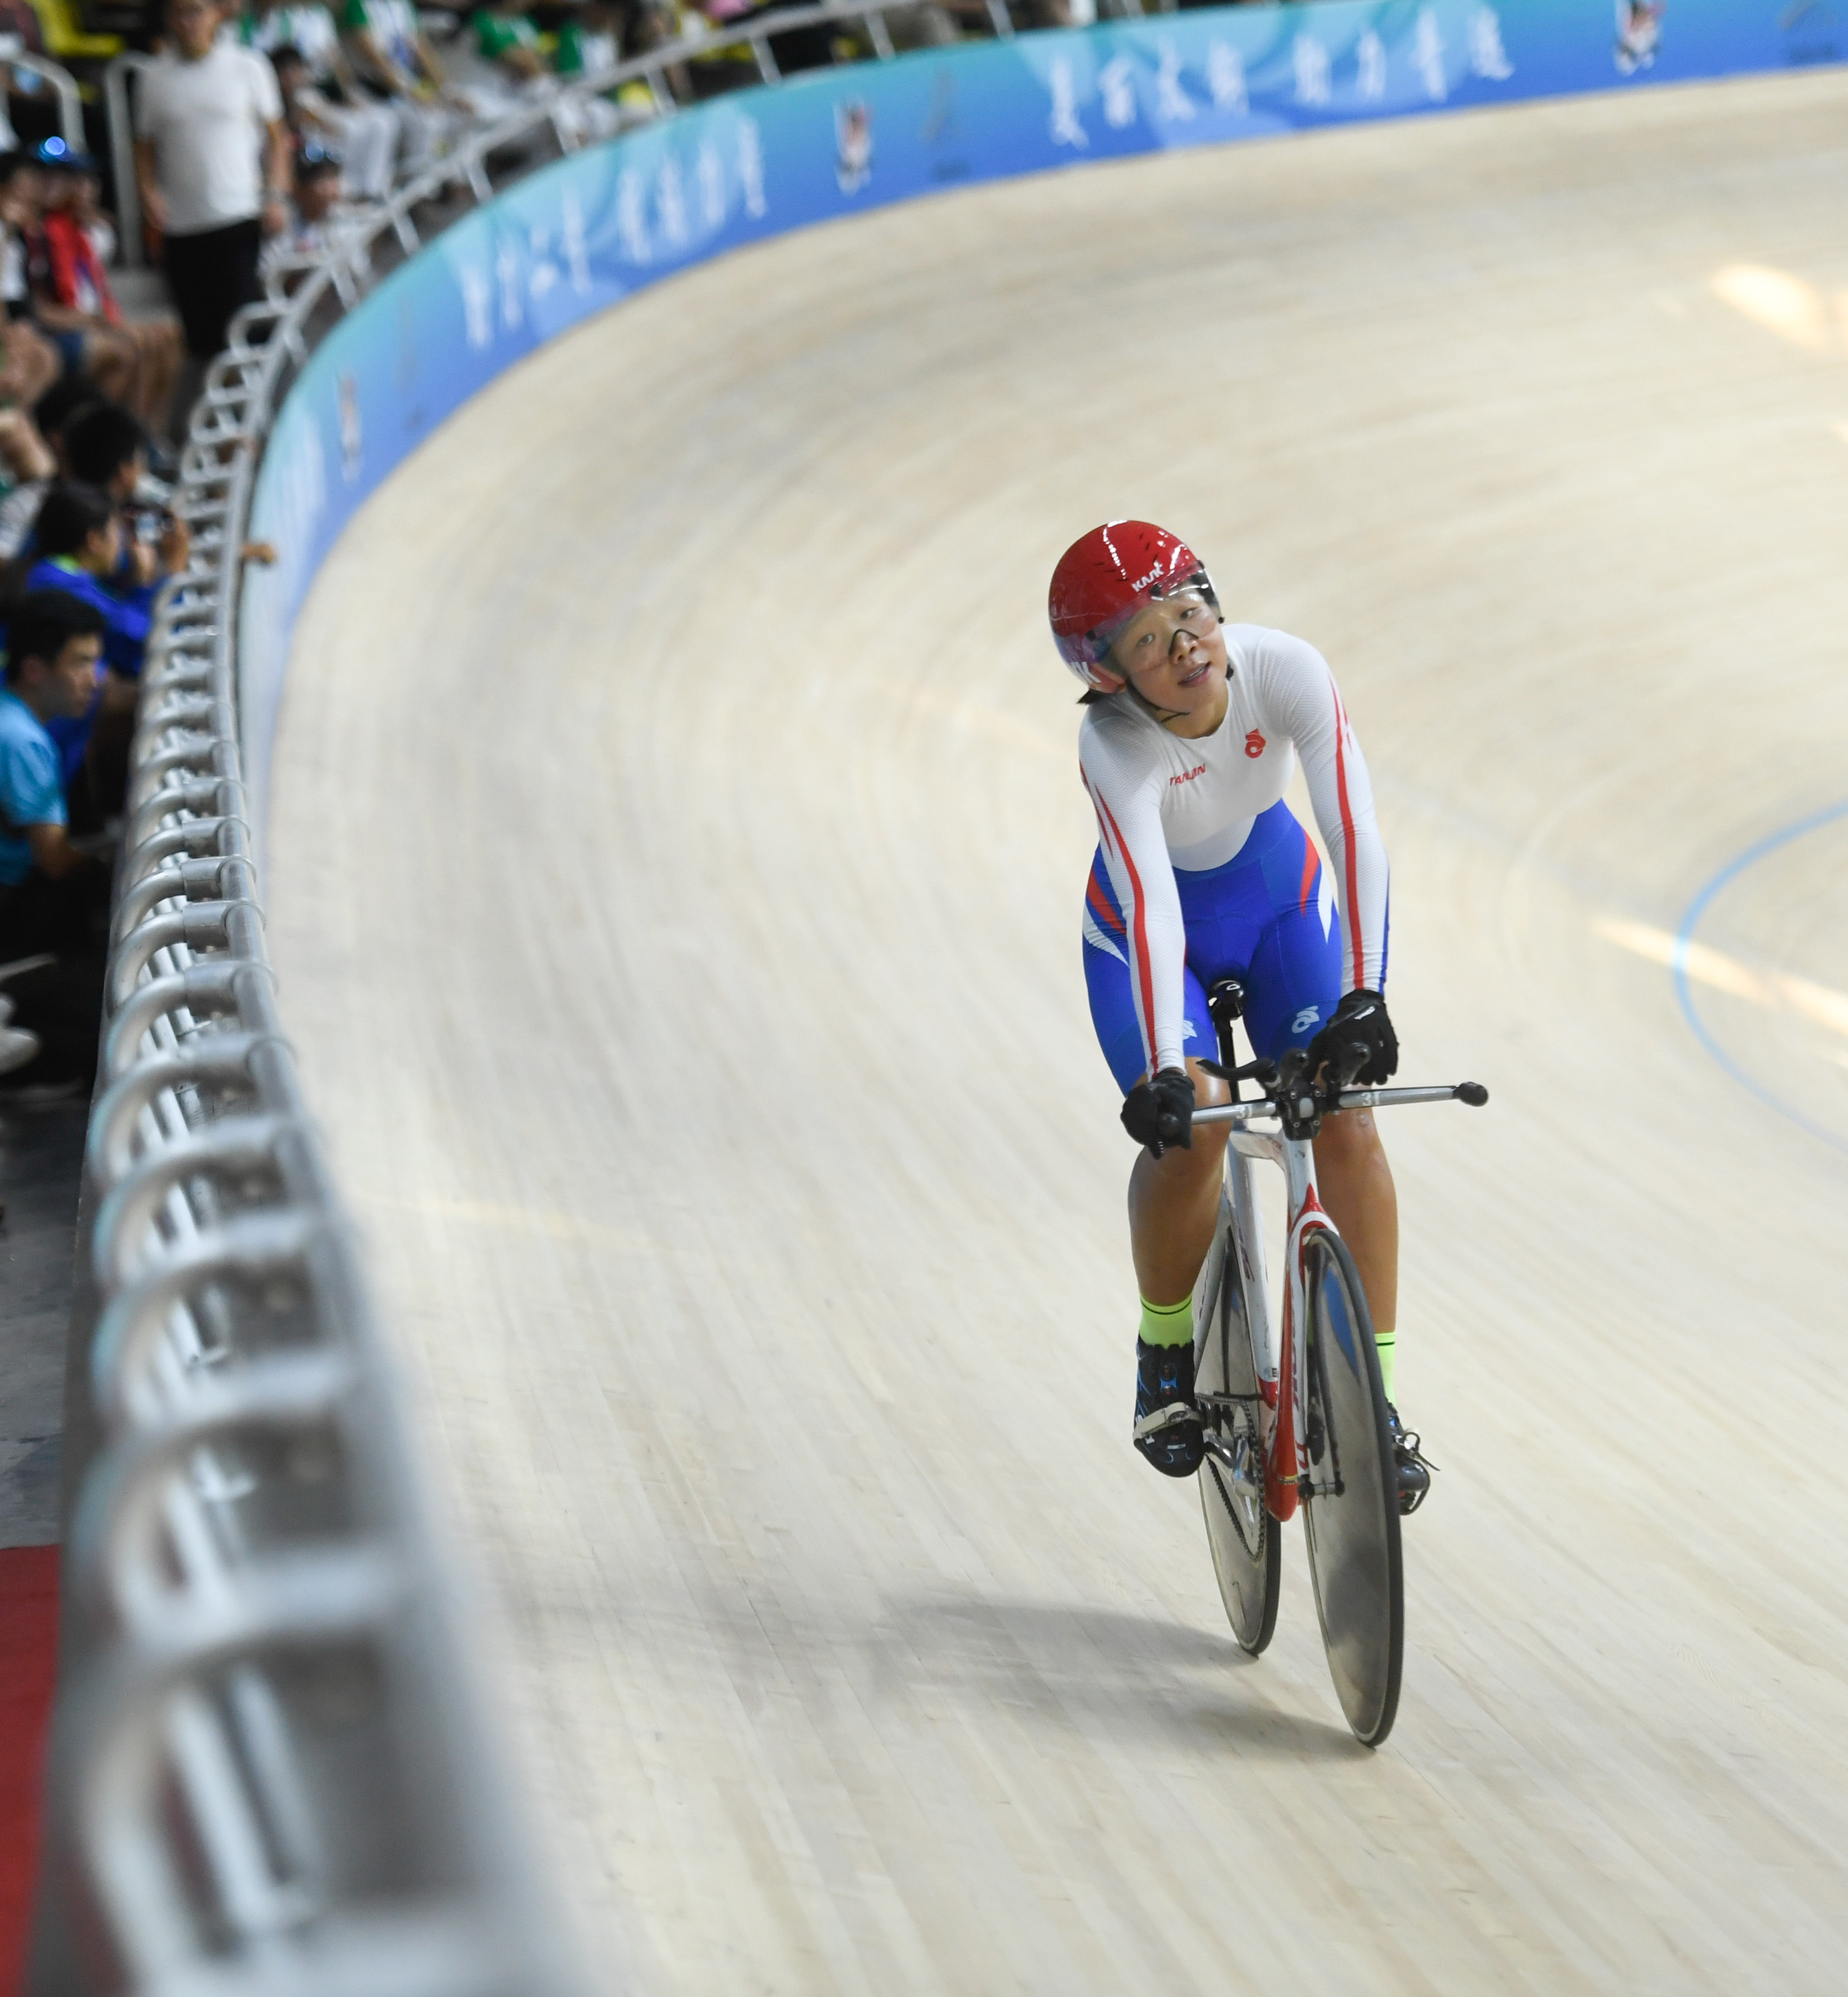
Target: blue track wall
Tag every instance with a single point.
(585, 233)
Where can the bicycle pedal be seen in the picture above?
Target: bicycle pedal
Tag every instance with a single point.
(1171, 1416)
(1414, 1471)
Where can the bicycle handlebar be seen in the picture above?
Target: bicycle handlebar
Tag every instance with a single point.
(1471, 1092)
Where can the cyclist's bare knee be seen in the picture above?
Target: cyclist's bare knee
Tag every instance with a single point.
(1349, 1135)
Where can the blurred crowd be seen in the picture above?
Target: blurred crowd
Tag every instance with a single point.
(257, 137)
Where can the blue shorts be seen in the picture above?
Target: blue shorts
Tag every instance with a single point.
(1262, 918)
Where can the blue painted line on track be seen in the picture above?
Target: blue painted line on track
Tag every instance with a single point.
(1770, 844)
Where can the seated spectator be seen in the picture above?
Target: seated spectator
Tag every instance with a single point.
(25, 459)
(30, 363)
(507, 42)
(322, 97)
(590, 40)
(513, 70)
(66, 399)
(53, 898)
(394, 59)
(137, 363)
(103, 444)
(78, 545)
(86, 347)
(312, 223)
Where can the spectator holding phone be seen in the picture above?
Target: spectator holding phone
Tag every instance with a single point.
(211, 160)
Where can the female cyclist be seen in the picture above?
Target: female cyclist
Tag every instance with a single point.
(1202, 873)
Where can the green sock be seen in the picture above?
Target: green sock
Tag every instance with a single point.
(1167, 1324)
(1387, 1343)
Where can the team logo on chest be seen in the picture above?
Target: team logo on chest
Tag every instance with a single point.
(1254, 744)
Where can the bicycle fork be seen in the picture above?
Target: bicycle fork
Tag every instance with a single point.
(1277, 1353)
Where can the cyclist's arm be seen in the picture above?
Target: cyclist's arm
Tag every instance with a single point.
(1127, 797)
(1296, 692)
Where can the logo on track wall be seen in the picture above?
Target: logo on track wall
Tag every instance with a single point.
(853, 145)
(586, 232)
(1638, 30)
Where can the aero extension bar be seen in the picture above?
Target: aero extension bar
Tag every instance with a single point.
(1239, 1114)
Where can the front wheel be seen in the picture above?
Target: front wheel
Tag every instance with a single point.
(1247, 1549)
(1350, 1512)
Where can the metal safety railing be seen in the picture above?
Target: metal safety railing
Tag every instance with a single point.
(271, 1769)
(63, 86)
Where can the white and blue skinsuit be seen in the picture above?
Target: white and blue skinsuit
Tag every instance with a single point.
(1202, 872)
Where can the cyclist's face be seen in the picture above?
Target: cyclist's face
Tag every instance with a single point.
(1174, 654)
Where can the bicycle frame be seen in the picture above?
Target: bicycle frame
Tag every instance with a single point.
(1277, 1351)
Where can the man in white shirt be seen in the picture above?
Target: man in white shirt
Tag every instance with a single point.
(212, 159)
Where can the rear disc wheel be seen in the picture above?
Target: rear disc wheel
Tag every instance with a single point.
(1350, 1510)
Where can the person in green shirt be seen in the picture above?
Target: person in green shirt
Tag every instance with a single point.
(395, 60)
(590, 41)
(505, 37)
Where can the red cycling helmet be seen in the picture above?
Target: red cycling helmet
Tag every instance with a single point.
(1104, 577)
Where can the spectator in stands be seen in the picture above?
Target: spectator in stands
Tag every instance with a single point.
(25, 459)
(99, 352)
(31, 363)
(506, 40)
(590, 40)
(395, 60)
(136, 363)
(104, 445)
(212, 159)
(82, 548)
(309, 233)
(53, 897)
(513, 69)
(79, 546)
(19, 508)
(322, 98)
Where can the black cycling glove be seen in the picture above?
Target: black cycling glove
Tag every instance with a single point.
(1160, 1112)
(1360, 1020)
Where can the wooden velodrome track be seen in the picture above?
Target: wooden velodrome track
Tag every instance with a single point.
(676, 863)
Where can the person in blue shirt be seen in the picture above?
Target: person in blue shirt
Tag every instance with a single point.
(77, 543)
(53, 898)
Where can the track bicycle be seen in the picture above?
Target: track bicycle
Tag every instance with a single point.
(1293, 1413)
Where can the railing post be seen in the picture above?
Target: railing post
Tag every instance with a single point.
(122, 156)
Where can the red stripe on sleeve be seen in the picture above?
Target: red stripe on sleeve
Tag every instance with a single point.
(1139, 939)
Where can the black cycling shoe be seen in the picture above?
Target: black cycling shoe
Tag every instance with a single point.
(1414, 1468)
(1167, 1423)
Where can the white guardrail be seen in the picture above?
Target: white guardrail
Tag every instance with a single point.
(14, 54)
(272, 1770)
